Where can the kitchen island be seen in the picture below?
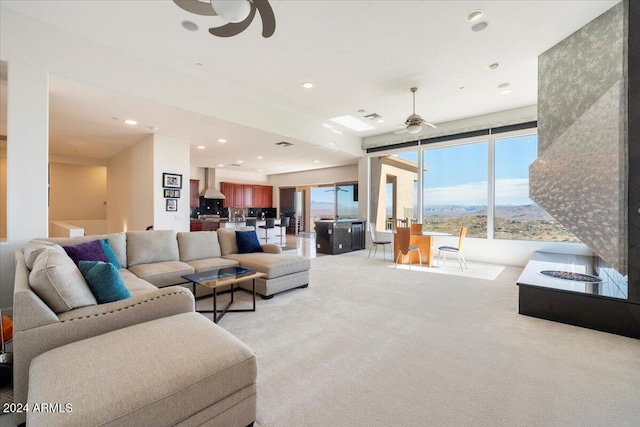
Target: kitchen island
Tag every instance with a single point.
(273, 233)
(339, 236)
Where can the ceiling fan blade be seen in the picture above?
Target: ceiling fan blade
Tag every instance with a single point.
(400, 131)
(268, 18)
(232, 29)
(195, 6)
(431, 125)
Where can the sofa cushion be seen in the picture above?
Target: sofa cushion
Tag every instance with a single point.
(227, 239)
(135, 284)
(117, 242)
(104, 281)
(274, 265)
(209, 264)
(164, 273)
(247, 242)
(35, 247)
(59, 283)
(198, 245)
(90, 251)
(145, 247)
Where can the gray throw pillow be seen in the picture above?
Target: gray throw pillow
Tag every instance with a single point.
(56, 279)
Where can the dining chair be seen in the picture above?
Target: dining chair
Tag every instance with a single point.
(403, 234)
(458, 251)
(375, 242)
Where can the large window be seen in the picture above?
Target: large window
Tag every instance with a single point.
(516, 215)
(455, 189)
(336, 201)
(461, 186)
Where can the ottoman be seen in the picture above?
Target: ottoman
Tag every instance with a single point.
(180, 370)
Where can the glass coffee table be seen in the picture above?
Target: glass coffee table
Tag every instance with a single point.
(216, 279)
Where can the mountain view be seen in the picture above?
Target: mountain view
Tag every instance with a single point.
(521, 222)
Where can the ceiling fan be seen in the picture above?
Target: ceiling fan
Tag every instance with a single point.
(414, 122)
(238, 13)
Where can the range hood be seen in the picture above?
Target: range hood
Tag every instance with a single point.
(210, 191)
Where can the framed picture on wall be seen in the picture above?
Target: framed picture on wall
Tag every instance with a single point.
(172, 205)
(171, 193)
(171, 180)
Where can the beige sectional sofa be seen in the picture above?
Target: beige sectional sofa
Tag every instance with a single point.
(152, 263)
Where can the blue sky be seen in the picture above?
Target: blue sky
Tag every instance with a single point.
(458, 174)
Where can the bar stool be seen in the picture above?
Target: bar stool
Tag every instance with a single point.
(268, 224)
(251, 222)
(284, 223)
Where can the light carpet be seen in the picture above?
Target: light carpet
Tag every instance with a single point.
(474, 270)
(369, 345)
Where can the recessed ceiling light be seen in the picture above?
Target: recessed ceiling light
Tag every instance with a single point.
(506, 91)
(280, 167)
(380, 120)
(316, 161)
(260, 170)
(352, 123)
(239, 161)
(307, 85)
(493, 66)
(222, 141)
(259, 157)
(131, 122)
(474, 15)
(188, 25)
(220, 165)
(200, 147)
(332, 144)
(479, 26)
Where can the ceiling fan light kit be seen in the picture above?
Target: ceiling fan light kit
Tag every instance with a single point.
(231, 10)
(238, 13)
(414, 128)
(414, 122)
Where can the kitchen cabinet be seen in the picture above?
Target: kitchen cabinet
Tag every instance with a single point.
(194, 193)
(246, 195)
(196, 225)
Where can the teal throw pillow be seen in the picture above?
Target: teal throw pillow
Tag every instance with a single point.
(104, 281)
(248, 242)
(111, 256)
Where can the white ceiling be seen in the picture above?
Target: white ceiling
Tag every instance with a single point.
(359, 55)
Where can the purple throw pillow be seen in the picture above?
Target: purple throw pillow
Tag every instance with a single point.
(91, 251)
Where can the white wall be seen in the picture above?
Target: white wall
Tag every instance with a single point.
(170, 155)
(130, 182)
(78, 192)
(27, 158)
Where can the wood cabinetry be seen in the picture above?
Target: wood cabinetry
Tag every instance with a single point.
(196, 225)
(246, 195)
(194, 193)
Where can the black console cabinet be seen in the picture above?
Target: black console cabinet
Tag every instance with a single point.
(338, 237)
